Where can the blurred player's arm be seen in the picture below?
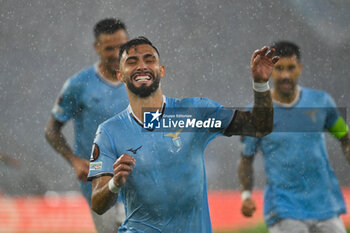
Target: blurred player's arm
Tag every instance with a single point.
(345, 143)
(53, 134)
(105, 189)
(245, 176)
(259, 121)
(340, 130)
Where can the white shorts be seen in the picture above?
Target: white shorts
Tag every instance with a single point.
(332, 225)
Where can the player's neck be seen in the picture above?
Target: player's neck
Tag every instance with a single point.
(106, 74)
(154, 101)
(287, 101)
(278, 97)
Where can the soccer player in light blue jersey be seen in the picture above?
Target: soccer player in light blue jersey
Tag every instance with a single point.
(302, 193)
(160, 175)
(88, 98)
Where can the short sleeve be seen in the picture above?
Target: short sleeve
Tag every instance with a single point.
(66, 103)
(332, 112)
(250, 146)
(103, 155)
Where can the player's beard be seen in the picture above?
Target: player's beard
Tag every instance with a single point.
(143, 91)
(110, 65)
(286, 93)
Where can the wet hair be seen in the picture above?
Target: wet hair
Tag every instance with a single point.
(133, 42)
(286, 49)
(108, 26)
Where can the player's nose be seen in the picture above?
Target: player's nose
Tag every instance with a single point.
(285, 75)
(142, 66)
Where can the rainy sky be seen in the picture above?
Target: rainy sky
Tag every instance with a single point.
(205, 46)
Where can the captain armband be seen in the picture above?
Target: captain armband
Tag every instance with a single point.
(339, 129)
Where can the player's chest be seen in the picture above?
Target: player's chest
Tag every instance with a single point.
(165, 148)
(299, 120)
(105, 100)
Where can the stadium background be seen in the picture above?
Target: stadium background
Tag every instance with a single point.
(205, 45)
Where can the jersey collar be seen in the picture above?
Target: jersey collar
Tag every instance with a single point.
(293, 103)
(103, 78)
(138, 121)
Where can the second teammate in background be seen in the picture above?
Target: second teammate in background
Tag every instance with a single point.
(302, 194)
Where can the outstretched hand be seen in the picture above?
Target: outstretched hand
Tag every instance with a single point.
(122, 169)
(262, 63)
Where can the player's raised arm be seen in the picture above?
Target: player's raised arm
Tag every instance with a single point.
(105, 189)
(345, 142)
(259, 121)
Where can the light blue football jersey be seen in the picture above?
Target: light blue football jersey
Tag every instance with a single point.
(166, 191)
(300, 182)
(88, 100)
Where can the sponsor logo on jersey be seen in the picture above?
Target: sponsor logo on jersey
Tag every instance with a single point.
(95, 166)
(134, 151)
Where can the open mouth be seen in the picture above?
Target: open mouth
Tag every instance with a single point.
(285, 85)
(143, 78)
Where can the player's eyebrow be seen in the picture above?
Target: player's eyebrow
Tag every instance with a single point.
(131, 58)
(148, 55)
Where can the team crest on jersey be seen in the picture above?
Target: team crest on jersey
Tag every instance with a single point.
(95, 153)
(312, 114)
(176, 139)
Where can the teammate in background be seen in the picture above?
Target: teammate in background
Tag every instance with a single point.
(302, 193)
(90, 97)
(160, 176)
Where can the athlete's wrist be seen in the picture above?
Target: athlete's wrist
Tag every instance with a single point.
(261, 87)
(112, 187)
(246, 194)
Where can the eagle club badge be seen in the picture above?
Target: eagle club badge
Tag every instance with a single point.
(176, 139)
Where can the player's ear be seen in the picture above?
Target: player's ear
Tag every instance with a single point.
(300, 68)
(162, 71)
(97, 46)
(120, 76)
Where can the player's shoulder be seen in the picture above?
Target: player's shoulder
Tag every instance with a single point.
(83, 75)
(314, 93)
(117, 119)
